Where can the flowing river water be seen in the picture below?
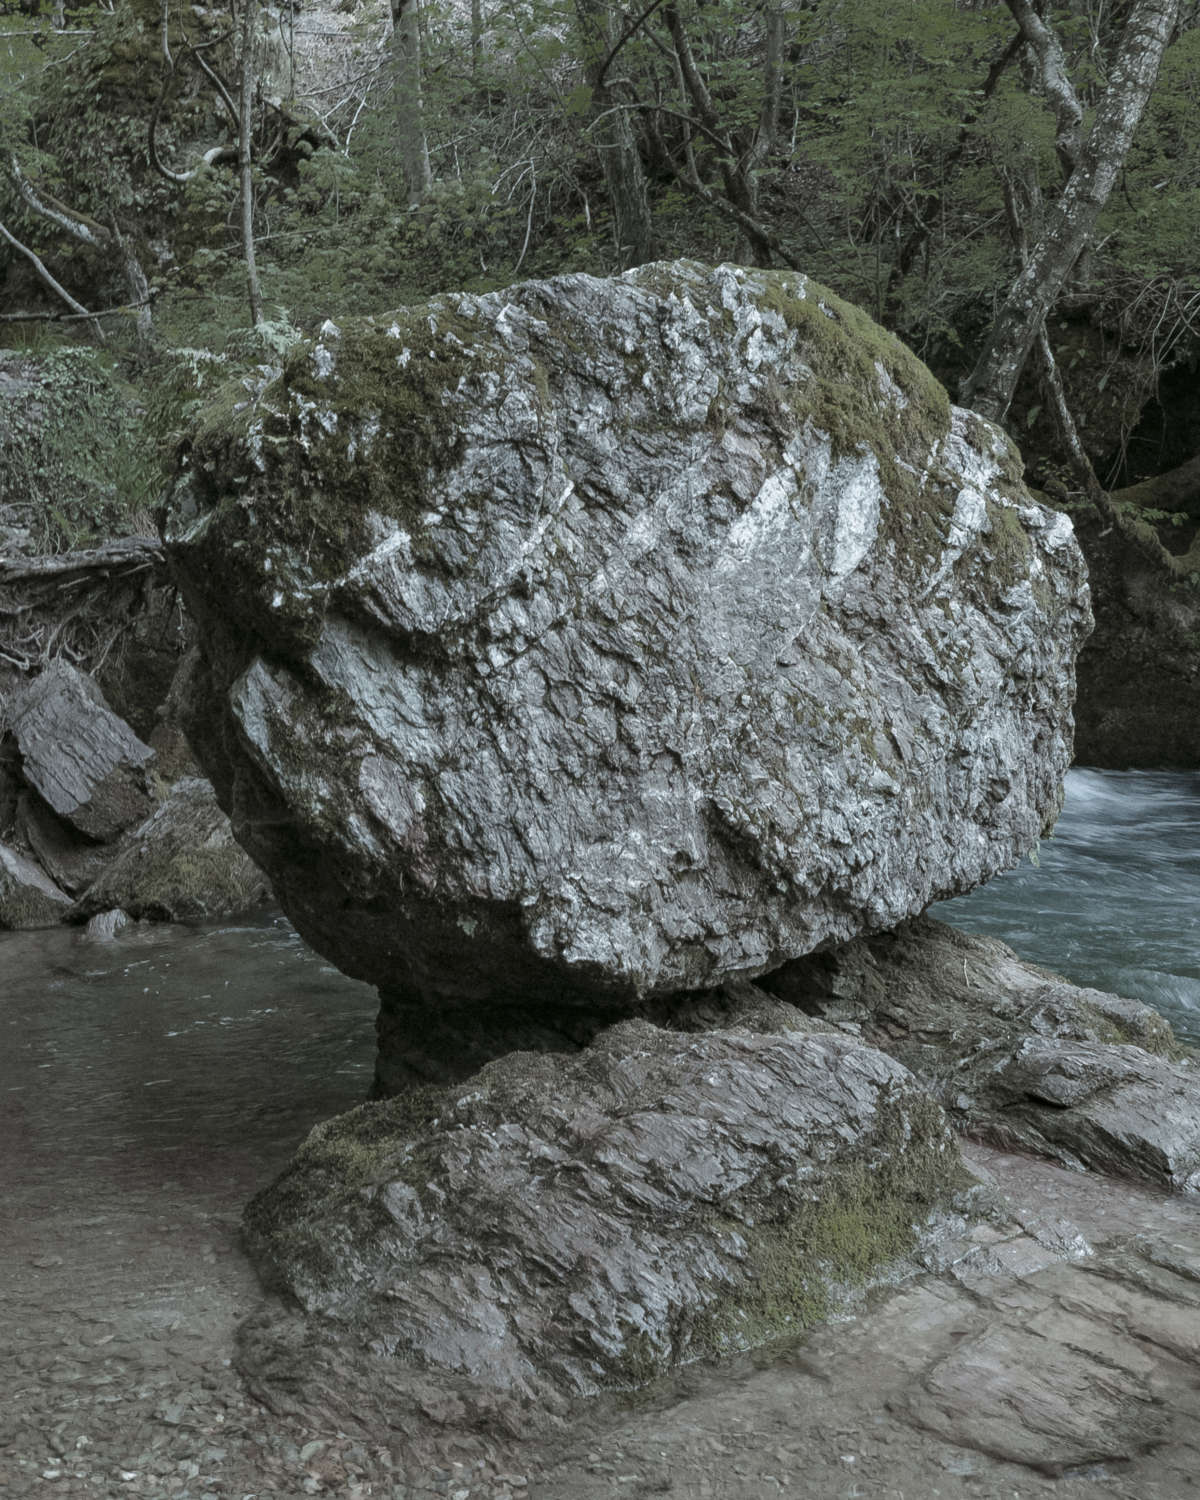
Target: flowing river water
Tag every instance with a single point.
(1113, 899)
(149, 1085)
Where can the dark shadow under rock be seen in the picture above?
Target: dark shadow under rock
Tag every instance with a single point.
(560, 1225)
(1139, 675)
(1015, 1054)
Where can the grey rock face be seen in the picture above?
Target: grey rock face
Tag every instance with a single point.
(86, 763)
(181, 864)
(28, 897)
(558, 1225)
(597, 639)
(1014, 1053)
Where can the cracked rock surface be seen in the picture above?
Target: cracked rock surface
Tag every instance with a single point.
(561, 1225)
(593, 640)
(1014, 1053)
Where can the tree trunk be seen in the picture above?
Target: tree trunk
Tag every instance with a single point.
(245, 130)
(1069, 223)
(613, 133)
(410, 123)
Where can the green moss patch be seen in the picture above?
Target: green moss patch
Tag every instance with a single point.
(846, 351)
(866, 1213)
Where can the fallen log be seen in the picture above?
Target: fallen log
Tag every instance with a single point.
(122, 556)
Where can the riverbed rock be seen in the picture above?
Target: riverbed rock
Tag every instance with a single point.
(28, 897)
(594, 639)
(70, 860)
(85, 762)
(1014, 1053)
(559, 1225)
(182, 864)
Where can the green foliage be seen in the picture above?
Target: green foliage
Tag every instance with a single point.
(74, 465)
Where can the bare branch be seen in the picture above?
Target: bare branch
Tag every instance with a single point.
(79, 226)
(632, 27)
(1055, 80)
(49, 281)
(71, 317)
(130, 554)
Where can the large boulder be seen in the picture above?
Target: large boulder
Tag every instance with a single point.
(596, 639)
(556, 1226)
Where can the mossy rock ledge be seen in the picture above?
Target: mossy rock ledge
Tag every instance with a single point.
(598, 639)
(560, 1226)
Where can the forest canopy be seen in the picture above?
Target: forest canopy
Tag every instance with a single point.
(1009, 185)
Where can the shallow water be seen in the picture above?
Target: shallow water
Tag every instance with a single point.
(172, 1054)
(1114, 900)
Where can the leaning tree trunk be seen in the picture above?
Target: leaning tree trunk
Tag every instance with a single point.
(623, 173)
(1069, 224)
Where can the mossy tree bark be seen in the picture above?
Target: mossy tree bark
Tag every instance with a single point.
(624, 175)
(248, 84)
(411, 140)
(1068, 227)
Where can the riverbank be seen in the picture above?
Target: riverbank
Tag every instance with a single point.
(145, 1098)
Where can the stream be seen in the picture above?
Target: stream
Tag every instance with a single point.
(1114, 898)
(150, 1085)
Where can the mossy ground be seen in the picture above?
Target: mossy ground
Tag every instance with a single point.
(74, 467)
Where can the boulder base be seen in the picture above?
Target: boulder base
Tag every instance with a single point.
(564, 1224)
(1015, 1054)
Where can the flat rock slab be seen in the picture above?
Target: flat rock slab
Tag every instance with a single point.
(1014, 1053)
(594, 639)
(561, 1225)
(28, 897)
(85, 762)
(1040, 1378)
(1015, 1394)
(182, 864)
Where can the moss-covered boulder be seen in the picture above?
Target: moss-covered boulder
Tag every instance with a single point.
(182, 864)
(558, 1226)
(597, 639)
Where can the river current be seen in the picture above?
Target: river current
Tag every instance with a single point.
(1112, 899)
